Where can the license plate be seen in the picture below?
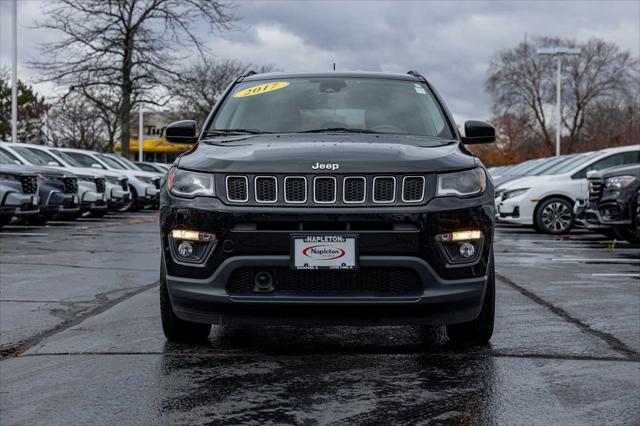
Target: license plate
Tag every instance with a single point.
(324, 252)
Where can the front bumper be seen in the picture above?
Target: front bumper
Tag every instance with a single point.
(517, 210)
(441, 302)
(94, 202)
(150, 198)
(60, 203)
(260, 237)
(20, 205)
(118, 198)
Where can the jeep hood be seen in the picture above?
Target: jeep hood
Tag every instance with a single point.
(353, 153)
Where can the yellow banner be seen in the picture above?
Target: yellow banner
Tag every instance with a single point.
(155, 145)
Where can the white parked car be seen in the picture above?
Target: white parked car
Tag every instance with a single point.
(546, 202)
(144, 186)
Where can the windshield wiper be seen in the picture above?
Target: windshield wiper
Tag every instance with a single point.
(339, 129)
(222, 132)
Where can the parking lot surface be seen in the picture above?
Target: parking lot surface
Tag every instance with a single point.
(81, 343)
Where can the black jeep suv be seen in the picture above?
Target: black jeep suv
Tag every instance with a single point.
(328, 198)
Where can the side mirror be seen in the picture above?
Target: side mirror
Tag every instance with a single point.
(181, 132)
(52, 163)
(96, 166)
(478, 132)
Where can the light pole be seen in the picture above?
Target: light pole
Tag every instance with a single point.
(141, 135)
(14, 73)
(558, 52)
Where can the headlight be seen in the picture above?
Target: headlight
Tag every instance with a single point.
(619, 182)
(514, 193)
(189, 184)
(464, 183)
(145, 179)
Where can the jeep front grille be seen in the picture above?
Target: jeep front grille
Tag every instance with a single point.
(100, 184)
(327, 190)
(295, 189)
(237, 189)
(29, 184)
(354, 189)
(266, 189)
(384, 189)
(412, 189)
(324, 189)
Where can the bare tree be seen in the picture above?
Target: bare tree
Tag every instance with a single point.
(522, 82)
(200, 85)
(76, 122)
(127, 47)
(519, 84)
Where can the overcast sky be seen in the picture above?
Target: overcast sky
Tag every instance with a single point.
(451, 43)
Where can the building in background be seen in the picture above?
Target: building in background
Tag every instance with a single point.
(155, 147)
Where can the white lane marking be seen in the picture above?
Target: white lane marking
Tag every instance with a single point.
(617, 275)
(598, 260)
(22, 234)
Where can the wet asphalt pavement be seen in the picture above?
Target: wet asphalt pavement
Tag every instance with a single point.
(81, 343)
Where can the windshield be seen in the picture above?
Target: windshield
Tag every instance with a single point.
(46, 158)
(111, 162)
(33, 157)
(85, 160)
(550, 163)
(66, 158)
(8, 158)
(358, 104)
(570, 164)
(147, 167)
(126, 163)
(520, 168)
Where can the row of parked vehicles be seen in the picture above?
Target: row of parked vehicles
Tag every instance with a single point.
(40, 183)
(597, 190)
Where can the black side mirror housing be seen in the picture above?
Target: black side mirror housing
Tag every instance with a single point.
(181, 132)
(478, 132)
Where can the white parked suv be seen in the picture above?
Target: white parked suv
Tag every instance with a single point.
(143, 185)
(546, 202)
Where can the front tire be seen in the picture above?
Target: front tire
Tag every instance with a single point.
(174, 328)
(554, 216)
(479, 330)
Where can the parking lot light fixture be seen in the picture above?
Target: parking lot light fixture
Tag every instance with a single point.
(558, 51)
(183, 234)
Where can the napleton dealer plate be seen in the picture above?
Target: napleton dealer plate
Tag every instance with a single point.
(324, 252)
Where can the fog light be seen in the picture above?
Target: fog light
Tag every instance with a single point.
(467, 250)
(183, 234)
(460, 235)
(185, 249)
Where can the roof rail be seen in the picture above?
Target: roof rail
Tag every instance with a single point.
(252, 72)
(416, 74)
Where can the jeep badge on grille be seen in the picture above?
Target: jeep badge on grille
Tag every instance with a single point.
(328, 166)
